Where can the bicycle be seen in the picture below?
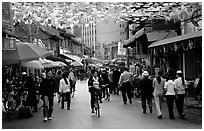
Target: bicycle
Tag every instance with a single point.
(96, 102)
(13, 99)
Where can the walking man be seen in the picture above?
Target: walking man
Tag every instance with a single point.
(145, 85)
(125, 82)
(47, 90)
(116, 77)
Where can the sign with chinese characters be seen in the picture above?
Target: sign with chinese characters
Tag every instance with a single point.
(9, 43)
(121, 50)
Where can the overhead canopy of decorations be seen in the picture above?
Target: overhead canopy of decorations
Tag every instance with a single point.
(68, 14)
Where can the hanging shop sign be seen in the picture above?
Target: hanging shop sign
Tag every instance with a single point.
(9, 43)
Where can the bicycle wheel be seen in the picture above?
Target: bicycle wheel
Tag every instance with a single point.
(10, 106)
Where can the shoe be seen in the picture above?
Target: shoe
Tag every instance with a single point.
(182, 116)
(49, 118)
(171, 118)
(125, 103)
(130, 101)
(45, 119)
(92, 111)
(144, 112)
(150, 110)
(159, 117)
(62, 107)
(68, 108)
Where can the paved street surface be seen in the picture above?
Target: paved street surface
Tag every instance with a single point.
(114, 115)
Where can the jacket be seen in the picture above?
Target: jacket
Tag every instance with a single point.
(145, 84)
(47, 87)
(63, 86)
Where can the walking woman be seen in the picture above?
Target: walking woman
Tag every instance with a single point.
(170, 91)
(64, 89)
(47, 90)
(180, 93)
(158, 85)
(94, 83)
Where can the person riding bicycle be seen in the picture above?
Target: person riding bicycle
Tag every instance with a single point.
(94, 84)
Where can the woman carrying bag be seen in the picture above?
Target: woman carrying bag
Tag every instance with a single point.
(64, 89)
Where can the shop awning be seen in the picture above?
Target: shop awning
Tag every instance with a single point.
(177, 38)
(137, 35)
(160, 35)
(73, 57)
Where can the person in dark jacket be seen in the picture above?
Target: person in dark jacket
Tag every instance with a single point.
(145, 85)
(31, 98)
(94, 84)
(58, 77)
(47, 90)
(106, 84)
(116, 77)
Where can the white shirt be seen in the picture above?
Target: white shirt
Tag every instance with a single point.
(95, 82)
(170, 86)
(179, 86)
(63, 86)
(125, 77)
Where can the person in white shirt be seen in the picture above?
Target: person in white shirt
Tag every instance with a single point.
(125, 82)
(180, 93)
(158, 85)
(170, 92)
(72, 79)
(64, 89)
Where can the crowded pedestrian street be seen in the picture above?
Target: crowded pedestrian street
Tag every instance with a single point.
(101, 65)
(114, 115)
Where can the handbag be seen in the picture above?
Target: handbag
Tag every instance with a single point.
(24, 112)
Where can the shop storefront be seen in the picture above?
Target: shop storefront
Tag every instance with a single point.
(179, 53)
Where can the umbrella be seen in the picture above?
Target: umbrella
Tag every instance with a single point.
(34, 64)
(61, 64)
(39, 64)
(48, 63)
(76, 63)
(23, 52)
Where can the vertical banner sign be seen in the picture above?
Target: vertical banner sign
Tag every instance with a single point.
(121, 50)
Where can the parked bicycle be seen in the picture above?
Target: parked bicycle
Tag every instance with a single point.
(13, 98)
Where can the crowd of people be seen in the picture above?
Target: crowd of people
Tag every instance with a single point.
(145, 86)
(62, 84)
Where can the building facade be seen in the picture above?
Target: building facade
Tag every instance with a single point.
(102, 36)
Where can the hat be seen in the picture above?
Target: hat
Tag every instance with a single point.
(145, 73)
(23, 73)
(178, 72)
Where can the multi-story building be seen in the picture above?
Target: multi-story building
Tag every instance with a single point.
(89, 34)
(7, 25)
(102, 35)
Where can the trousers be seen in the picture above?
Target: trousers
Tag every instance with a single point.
(48, 106)
(180, 103)
(126, 92)
(147, 98)
(170, 103)
(66, 95)
(158, 97)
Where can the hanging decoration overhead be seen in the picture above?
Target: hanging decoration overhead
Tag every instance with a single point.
(68, 14)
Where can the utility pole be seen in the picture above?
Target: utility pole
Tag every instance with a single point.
(127, 49)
